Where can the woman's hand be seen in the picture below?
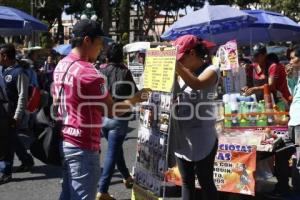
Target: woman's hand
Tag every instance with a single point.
(289, 70)
(142, 95)
(244, 89)
(250, 91)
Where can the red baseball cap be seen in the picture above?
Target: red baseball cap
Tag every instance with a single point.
(188, 42)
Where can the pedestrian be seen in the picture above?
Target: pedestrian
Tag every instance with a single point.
(120, 85)
(16, 87)
(282, 156)
(82, 102)
(47, 72)
(195, 135)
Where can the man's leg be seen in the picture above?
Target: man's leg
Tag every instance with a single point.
(25, 158)
(83, 171)
(282, 157)
(8, 159)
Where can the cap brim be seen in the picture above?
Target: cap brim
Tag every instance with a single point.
(209, 44)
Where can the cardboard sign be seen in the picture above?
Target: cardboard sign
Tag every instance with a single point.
(159, 70)
(234, 168)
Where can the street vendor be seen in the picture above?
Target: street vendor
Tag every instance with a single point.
(266, 69)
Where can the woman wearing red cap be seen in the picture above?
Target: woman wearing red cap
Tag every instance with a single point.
(196, 142)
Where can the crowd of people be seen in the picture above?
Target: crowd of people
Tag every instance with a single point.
(96, 99)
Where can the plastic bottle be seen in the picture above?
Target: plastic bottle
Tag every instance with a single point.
(227, 110)
(268, 104)
(244, 122)
(253, 118)
(262, 121)
(234, 110)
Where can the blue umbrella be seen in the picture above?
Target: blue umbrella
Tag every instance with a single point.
(16, 22)
(65, 49)
(270, 26)
(208, 21)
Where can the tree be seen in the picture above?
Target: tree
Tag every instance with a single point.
(124, 25)
(51, 13)
(20, 4)
(289, 8)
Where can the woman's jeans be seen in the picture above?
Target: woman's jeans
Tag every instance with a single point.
(81, 172)
(204, 171)
(115, 132)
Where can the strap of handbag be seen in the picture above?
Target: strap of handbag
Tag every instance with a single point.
(58, 100)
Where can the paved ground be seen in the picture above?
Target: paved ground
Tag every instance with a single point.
(44, 182)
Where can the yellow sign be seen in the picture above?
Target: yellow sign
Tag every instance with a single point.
(160, 69)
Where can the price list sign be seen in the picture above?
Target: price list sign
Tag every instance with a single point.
(160, 69)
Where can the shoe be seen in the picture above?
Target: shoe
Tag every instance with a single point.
(128, 182)
(5, 178)
(24, 168)
(104, 196)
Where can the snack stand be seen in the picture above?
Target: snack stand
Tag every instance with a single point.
(252, 130)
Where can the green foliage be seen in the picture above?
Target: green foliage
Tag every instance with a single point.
(47, 41)
(290, 8)
(19, 4)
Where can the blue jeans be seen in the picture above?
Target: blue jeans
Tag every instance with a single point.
(81, 172)
(115, 132)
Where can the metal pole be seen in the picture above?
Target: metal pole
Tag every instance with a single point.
(33, 3)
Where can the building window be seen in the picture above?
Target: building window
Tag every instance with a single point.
(70, 30)
(54, 31)
(137, 23)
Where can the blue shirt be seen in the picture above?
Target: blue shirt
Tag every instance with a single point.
(294, 87)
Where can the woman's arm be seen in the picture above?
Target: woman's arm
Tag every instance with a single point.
(208, 77)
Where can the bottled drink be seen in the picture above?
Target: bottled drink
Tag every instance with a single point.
(268, 104)
(253, 118)
(261, 121)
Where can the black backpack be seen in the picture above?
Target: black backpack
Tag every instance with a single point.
(115, 74)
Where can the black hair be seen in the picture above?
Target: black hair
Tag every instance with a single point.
(273, 58)
(77, 41)
(31, 53)
(9, 50)
(115, 53)
(200, 50)
(296, 49)
(259, 49)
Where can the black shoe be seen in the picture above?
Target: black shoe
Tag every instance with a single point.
(4, 178)
(24, 168)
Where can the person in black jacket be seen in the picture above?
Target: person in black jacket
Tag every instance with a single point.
(16, 85)
(121, 86)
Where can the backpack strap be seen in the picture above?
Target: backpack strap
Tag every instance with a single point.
(57, 101)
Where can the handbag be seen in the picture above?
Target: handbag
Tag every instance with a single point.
(46, 146)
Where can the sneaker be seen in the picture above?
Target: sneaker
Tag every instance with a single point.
(128, 182)
(104, 196)
(5, 178)
(24, 168)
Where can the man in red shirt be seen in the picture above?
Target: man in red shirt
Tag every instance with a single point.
(266, 69)
(83, 101)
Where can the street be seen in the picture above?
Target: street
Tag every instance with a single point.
(43, 183)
